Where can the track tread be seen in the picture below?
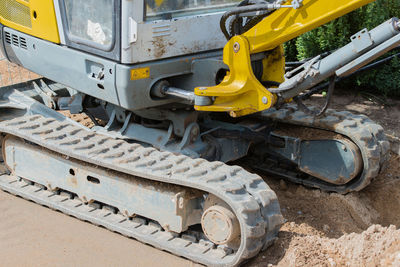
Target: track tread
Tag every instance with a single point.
(366, 134)
(258, 212)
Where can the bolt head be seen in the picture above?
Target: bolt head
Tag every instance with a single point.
(236, 47)
(195, 131)
(264, 100)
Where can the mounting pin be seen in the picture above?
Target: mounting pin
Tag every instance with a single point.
(236, 47)
(264, 100)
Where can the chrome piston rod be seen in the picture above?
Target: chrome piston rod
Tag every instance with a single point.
(180, 93)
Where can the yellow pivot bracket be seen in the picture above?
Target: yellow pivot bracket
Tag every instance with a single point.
(240, 93)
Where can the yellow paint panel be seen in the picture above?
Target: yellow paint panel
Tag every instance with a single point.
(240, 93)
(159, 2)
(33, 17)
(274, 66)
(138, 74)
(286, 24)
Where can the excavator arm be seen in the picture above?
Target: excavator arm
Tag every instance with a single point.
(241, 93)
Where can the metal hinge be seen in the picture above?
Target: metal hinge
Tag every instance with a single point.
(132, 30)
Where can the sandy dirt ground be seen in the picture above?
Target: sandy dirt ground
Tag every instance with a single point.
(11, 73)
(32, 235)
(321, 229)
(357, 229)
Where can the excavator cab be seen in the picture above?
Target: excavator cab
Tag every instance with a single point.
(121, 30)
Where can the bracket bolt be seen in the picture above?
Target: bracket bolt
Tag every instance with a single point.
(181, 202)
(236, 47)
(264, 100)
(194, 133)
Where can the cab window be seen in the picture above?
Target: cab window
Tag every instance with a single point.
(168, 9)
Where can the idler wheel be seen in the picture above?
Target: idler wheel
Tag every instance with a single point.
(220, 225)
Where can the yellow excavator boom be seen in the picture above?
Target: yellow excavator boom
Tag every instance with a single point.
(287, 24)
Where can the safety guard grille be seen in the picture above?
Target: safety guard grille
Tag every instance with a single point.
(15, 40)
(16, 12)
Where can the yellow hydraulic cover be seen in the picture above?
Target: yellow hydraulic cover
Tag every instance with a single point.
(286, 24)
(240, 93)
(33, 17)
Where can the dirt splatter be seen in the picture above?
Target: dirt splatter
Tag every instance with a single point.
(81, 118)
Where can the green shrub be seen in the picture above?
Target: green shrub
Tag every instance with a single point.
(385, 78)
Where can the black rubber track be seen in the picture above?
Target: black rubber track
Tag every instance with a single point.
(366, 134)
(254, 203)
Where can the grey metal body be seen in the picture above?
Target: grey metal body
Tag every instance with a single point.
(138, 39)
(322, 158)
(106, 79)
(232, 141)
(68, 66)
(162, 39)
(172, 207)
(9, 75)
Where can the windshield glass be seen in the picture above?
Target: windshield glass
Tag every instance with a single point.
(167, 9)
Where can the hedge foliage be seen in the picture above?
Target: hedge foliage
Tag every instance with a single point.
(385, 78)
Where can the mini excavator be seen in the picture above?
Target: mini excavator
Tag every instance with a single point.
(178, 91)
